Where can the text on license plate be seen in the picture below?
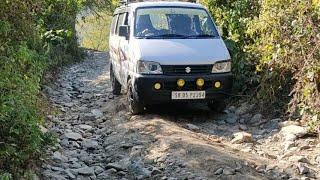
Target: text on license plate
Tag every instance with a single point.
(188, 94)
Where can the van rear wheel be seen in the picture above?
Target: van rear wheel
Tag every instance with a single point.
(115, 85)
(135, 106)
(217, 105)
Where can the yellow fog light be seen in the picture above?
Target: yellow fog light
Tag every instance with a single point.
(157, 86)
(217, 84)
(180, 82)
(200, 82)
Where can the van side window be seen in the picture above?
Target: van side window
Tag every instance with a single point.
(126, 20)
(113, 24)
(120, 22)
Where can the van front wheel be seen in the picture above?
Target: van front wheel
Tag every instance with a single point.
(115, 85)
(135, 106)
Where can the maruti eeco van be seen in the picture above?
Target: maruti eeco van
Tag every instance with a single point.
(168, 52)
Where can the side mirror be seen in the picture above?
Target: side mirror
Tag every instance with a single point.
(220, 31)
(124, 31)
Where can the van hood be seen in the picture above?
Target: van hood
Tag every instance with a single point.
(180, 51)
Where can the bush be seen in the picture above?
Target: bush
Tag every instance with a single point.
(34, 36)
(233, 18)
(275, 49)
(287, 42)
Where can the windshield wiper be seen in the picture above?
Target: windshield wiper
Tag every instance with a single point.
(165, 36)
(201, 36)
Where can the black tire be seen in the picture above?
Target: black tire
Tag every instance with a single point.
(217, 105)
(115, 85)
(135, 107)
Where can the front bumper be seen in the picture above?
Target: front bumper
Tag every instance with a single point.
(144, 87)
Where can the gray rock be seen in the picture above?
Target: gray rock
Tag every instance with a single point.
(317, 159)
(231, 118)
(54, 168)
(228, 171)
(238, 166)
(103, 176)
(232, 109)
(58, 157)
(87, 96)
(69, 174)
(73, 136)
(86, 170)
(97, 113)
(155, 171)
(75, 144)
(83, 108)
(288, 123)
(243, 127)
(90, 144)
(272, 124)
(242, 121)
(75, 165)
(301, 159)
(291, 132)
(88, 117)
(257, 118)
(98, 169)
(303, 169)
(86, 159)
(85, 127)
(241, 137)
(115, 166)
(83, 177)
(122, 173)
(218, 171)
(138, 168)
(261, 168)
(192, 127)
(243, 109)
(64, 142)
(111, 170)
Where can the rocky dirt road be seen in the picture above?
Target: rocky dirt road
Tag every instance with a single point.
(99, 139)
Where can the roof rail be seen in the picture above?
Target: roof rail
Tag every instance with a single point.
(126, 2)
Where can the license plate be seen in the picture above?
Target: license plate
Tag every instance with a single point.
(188, 95)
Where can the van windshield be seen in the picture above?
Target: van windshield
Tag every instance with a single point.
(173, 23)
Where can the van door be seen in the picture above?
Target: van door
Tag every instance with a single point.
(113, 46)
(123, 51)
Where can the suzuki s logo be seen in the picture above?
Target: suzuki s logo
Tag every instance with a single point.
(188, 69)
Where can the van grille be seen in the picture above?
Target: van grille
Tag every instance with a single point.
(182, 69)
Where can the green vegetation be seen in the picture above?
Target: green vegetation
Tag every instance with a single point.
(34, 37)
(93, 31)
(275, 49)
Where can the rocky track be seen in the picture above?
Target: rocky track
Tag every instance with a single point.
(99, 139)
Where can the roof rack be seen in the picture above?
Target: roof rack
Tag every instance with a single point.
(126, 2)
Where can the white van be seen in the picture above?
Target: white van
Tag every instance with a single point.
(168, 52)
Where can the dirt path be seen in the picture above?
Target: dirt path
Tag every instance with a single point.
(99, 139)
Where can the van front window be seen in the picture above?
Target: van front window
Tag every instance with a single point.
(173, 23)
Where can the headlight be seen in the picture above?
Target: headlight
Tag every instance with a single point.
(149, 67)
(221, 67)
